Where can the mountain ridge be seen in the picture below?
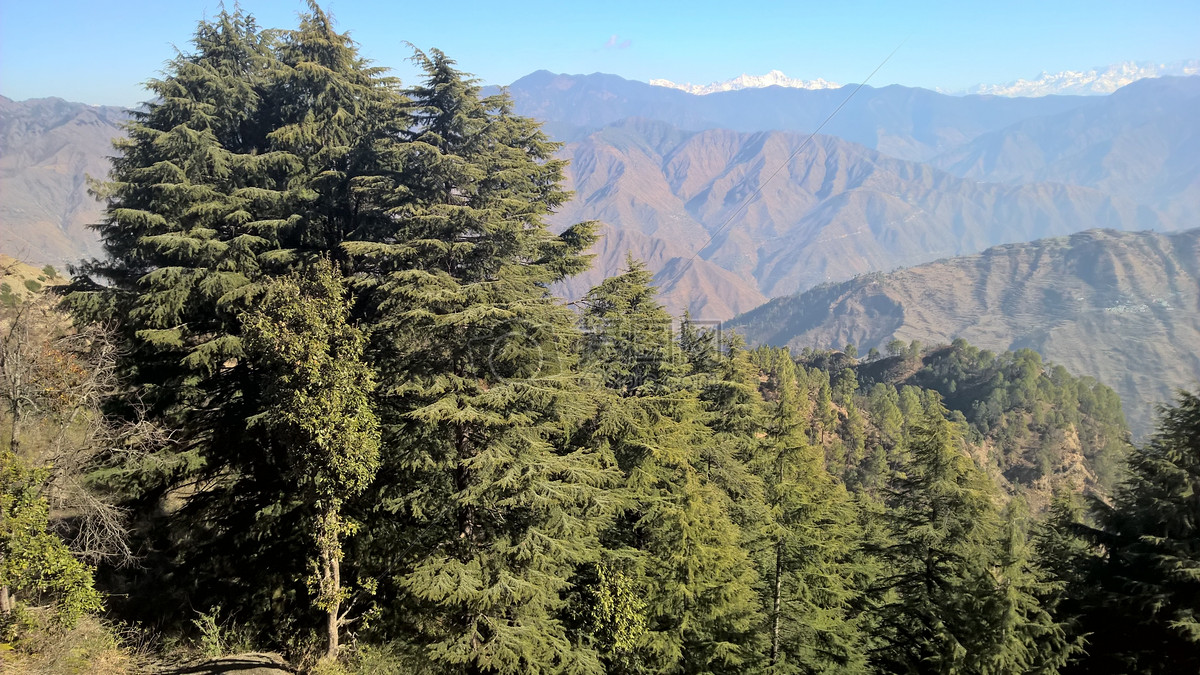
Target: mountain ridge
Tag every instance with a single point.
(1123, 307)
(835, 209)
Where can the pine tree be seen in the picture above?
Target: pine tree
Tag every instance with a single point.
(261, 152)
(807, 546)
(480, 401)
(954, 596)
(727, 382)
(1141, 579)
(676, 530)
(1028, 637)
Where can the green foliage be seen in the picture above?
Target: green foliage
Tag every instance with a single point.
(957, 591)
(33, 285)
(217, 637)
(1038, 422)
(1132, 582)
(36, 568)
(619, 612)
(316, 407)
(677, 525)
(479, 398)
(807, 543)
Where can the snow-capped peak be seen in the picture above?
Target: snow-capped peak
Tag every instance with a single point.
(1102, 80)
(771, 79)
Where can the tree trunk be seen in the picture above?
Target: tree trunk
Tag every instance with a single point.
(14, 429)
(329, 543)
(776, 598)
(5, 602)
(335, 606)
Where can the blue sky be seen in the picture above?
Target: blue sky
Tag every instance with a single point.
(99, 52)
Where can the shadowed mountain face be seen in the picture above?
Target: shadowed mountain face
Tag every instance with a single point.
(1121, 307)
(48, 148)
(905, 122)
(1142, 143)
(822, 211)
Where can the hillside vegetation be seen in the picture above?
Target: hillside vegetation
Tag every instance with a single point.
(1119, 307)
(319, 399)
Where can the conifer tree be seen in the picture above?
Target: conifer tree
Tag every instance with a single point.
(1140, 603)
(807, 546)
(954, 598)
(261, 151)
(727, 381)
(695, 576)
(1029, 638)
(480, 401)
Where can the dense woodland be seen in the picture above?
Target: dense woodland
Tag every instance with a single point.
(319, 399)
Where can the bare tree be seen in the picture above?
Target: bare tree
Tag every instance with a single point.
(54, 378)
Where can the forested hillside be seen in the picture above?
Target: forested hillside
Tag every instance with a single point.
(318, 398)
(1120, 307)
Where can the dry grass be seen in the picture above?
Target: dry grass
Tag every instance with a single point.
(91, 648)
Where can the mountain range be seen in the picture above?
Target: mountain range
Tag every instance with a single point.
(731, 200)
(1100, 80)
(1123, 307)
(778, 213)
(905, 122)
(1091, 82)
(48, 149)
(774, 78)
(1142, 143)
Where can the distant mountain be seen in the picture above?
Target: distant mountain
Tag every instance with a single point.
(822, 212)
(1142, 143)
(47, 149)
(1102, 80)
(1121, 307)
(774, 78)
(914, 124)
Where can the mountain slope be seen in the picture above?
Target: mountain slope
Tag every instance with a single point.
(47, 149)
(1121, 307)
(1142, 143)
(814, 212)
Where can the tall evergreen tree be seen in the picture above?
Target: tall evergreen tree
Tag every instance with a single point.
(807, 546)
(479, 397)
(694, 574)
(1140, 581)
(260, 152)
(953, 599)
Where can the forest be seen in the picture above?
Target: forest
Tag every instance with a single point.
(319, 399)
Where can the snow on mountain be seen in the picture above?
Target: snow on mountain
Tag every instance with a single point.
(772, 79)
(1103, 80)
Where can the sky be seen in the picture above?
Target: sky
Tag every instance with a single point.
(100, 52)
